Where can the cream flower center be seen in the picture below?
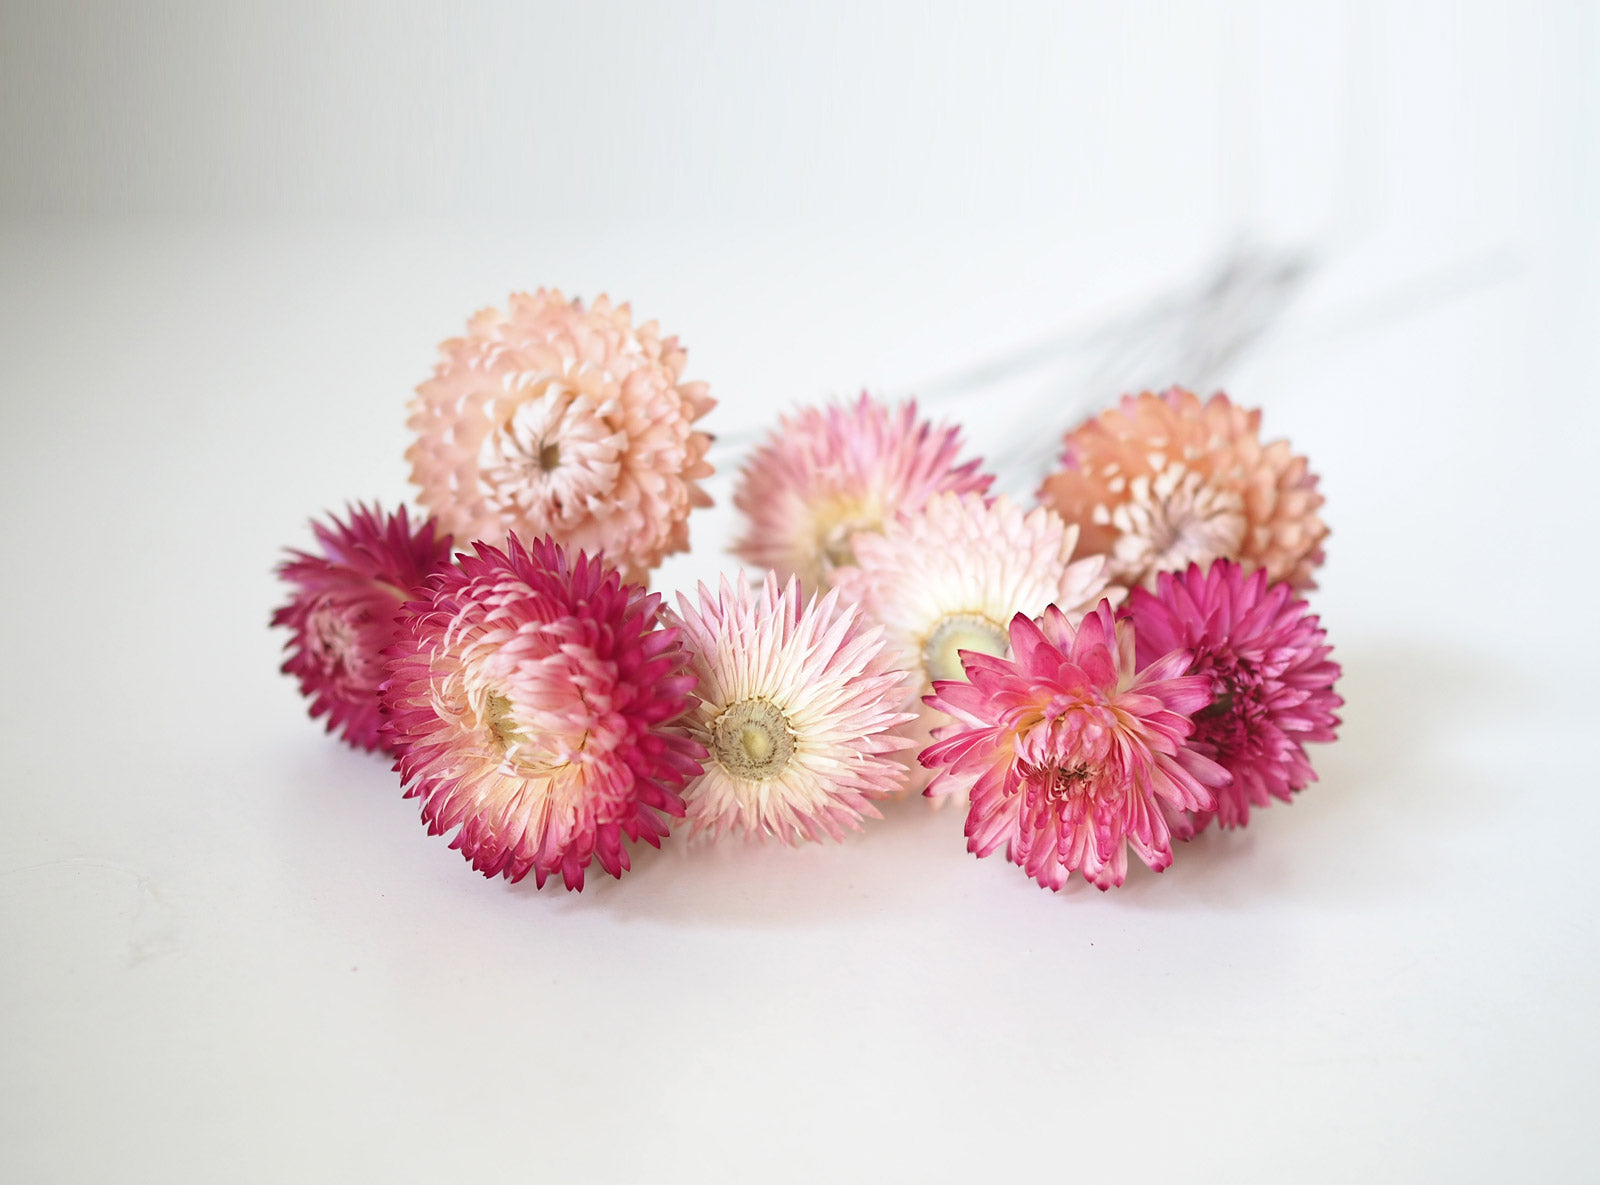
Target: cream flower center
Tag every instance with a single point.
(551, 456)
(956, 632)
(1174, 520)
(837, 522)
(752, 739)
(502, 721)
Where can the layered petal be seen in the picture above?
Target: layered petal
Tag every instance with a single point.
(555, 419)
(535, 703)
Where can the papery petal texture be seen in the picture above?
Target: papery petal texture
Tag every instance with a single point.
(827, 473)
(552, 418)
(798, 702)
(951, 576)
(1069, 755)
(535, 702)
(1162, 481)
(343, 606)
(1267, 660)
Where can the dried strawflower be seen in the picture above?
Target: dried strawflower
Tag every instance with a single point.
(553, 419)
(1162, 481)
(826, 473)
(798, 703)
(1271, 680)
(952, 576)
(533, 702)
(342, 610)
(1071, 755)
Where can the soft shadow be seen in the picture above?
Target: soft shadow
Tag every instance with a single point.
(1395, 787)
(891, 866)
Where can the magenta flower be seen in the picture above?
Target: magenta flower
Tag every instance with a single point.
(342, 611)
(1072, 756)
(534, 703)
(1271, 679)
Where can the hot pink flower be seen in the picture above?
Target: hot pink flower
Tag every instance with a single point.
(342, 611)
(533, 703)
(1271, 679)
(827, 472)
(1070, 754)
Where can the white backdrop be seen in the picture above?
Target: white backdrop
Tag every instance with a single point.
(230, 236)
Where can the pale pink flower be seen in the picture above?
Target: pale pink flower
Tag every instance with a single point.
(1162, 481)
(343, 606)
(1071, 756)
(951, 576)
(553, 419)
(1271, 680)
(826, 473)
(534, 705)
(798, 703)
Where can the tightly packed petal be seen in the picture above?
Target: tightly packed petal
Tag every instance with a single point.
(1072, 756)
(342, 611)
(534, 704)
(1162, 481)
(827, 473)
(1271, 680)
(951, 576)
(799, 704)
(552, 419)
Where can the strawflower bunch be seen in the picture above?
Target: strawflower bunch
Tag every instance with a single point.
(1114, 668)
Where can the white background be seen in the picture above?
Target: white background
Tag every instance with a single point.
(232, 236)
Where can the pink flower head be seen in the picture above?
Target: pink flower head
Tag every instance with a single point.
(553, 419)
(533, 703)
(1271, 680)
(1072, 755)
(799, 703)
(828, 472)
(951, 576)
(342, 611)
(1162, 481)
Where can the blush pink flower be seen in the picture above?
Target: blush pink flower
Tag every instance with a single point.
(799, 704)
(1271, 681)
(556, 419)
(828, 472)
(951, 576)
(1071, 755)
(342, 611)
(534, 704)
(1162, 481)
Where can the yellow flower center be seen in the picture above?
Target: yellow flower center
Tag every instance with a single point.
(752, 739)
(956, 632)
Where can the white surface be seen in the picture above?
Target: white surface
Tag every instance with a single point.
(228, 951)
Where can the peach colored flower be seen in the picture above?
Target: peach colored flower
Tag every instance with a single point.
(553, 419)
(1162, 481)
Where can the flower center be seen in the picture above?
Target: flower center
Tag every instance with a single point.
(549, 457)
(503, 723)
(956, 632)
(1061, 781)
(752, 739)
(1174, 520)
(837, 521)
